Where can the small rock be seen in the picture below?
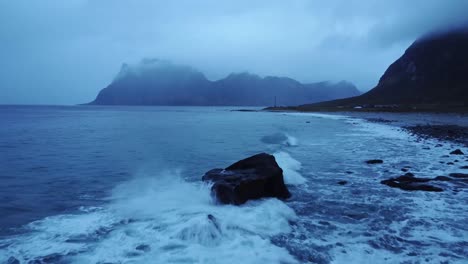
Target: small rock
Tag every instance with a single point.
(442, 178)
(342, 182)
(459, 175)
(408, 182)
(349, 172)
(374, 161)
(457, 152)
(464, 167)
(143, 247)
(404, 170)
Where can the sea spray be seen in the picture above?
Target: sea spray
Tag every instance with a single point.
(160, 219)
(291, 168)
(280, 138)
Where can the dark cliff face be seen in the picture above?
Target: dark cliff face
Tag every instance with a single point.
(156, 82)
(433, 70)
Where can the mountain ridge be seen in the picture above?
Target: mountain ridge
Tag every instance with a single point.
(432, 73)
(159, 82)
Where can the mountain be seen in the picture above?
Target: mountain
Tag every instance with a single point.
(433, 71)
(157, 82)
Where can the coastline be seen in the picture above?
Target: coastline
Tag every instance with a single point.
(444, 126)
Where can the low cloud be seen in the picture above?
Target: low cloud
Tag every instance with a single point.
(64, 52)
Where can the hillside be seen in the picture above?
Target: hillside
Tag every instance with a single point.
(431, 74)
(156, 82)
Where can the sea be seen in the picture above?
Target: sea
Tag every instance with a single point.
(102, 184)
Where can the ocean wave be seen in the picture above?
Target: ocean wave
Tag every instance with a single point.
(161, 219)
(280, 139)
(291, 168)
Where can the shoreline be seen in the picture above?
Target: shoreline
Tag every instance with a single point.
(445, 126)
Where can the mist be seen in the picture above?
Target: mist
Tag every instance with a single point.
(64, 52)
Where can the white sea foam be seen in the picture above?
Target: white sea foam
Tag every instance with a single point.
(291, 141)
(327, 116)
(291, 168)
(161, 220)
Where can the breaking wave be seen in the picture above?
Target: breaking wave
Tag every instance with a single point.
(161, 219)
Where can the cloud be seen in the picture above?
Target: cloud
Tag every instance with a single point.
(64, 52)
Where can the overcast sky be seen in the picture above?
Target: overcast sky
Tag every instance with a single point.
(64, 52)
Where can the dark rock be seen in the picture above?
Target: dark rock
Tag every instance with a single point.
(143, 247)
(459, 175)
(457, 152)
(380, 120)
(374, 161)
(404, 170)
(442, 178)
(450, 163)
(349, 172)
(342, 182)
(408, 182)
(464, 167)
(256, 177)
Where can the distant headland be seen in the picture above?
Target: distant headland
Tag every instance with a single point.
(159, 82)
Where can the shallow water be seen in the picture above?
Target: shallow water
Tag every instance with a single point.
(122, 185)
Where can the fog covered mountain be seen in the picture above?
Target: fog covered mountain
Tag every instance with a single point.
(158, 82)
(432, 71)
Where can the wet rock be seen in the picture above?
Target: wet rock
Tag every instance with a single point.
(374, 161)
(459, 175)
(457, 152)
(408, 182)
(442, 178)
(143, 247)
(458, 134)
(256, 177)
(404, 170)
(342, 182)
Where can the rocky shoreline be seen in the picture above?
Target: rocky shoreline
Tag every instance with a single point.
(452, 133)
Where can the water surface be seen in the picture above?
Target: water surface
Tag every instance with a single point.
(122, 185)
